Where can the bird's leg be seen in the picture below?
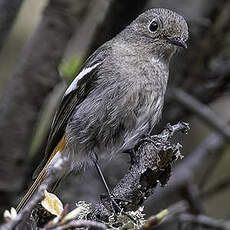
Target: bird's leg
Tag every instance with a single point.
(113, 202)
(99, 171)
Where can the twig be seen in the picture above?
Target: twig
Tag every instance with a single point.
(27, 210)
(165, 215)
(170, 130)
(203, 111)
(192, 194)
(209, 170)
(92, 225)
(38, 196)
(204, 221)
(218, 187)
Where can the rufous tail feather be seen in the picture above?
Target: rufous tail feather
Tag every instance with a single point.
(42, 175)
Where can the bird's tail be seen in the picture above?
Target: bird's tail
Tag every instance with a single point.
(33, 188)
(42, 175)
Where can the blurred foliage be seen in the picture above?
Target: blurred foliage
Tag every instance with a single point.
(218, 204)
(69, 69)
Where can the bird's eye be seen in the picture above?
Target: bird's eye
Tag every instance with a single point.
(153, 26)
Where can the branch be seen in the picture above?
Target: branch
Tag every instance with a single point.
(202, 111)
(178, 211)
(204, 221)
(8, 13)
(218, 187)
(92, 225)
(191, 193)
(151, 164)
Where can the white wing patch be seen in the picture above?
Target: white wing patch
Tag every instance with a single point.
(84, 72)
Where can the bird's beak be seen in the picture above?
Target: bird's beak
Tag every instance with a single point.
(178, 42)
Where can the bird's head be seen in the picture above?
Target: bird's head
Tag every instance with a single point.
(160, 30)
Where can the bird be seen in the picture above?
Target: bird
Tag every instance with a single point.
(117, 96)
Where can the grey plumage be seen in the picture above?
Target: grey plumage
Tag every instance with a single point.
(127, 96)
(118, 95)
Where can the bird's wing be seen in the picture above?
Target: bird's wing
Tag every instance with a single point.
(75, 94)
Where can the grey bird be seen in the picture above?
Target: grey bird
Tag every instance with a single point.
(118, 95)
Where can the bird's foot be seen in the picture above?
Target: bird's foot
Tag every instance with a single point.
(115, 207)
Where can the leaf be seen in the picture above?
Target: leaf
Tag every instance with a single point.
(52, 204)
(69, 69)
(81, 212)
(73, 214)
